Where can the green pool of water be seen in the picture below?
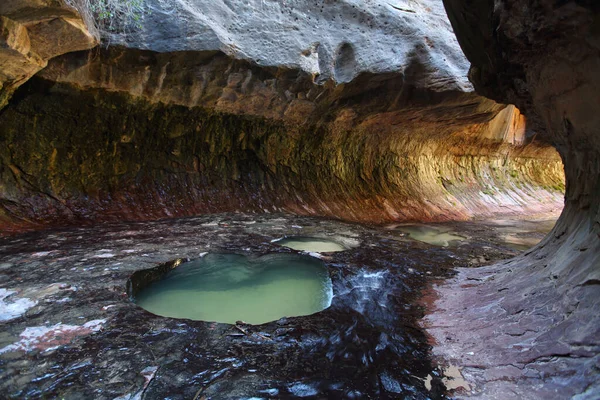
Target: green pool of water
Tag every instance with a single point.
(311, 244)
(522, 234)
(437, 236)
(229, 288)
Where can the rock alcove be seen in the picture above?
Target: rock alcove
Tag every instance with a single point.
(191, 127)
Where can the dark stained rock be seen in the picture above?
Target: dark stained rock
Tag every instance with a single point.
(303, 114)
(354, 111)
(73, 332)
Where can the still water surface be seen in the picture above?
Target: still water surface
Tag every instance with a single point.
(318, 245)
(436, 235)
(230, 287)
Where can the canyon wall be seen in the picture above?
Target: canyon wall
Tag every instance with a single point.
(120, 133)
(530, 327)
(359, 111)
(31, 33)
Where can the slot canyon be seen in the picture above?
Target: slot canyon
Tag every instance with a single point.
(264, 199)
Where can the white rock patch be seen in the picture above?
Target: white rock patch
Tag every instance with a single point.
(13, 309)
(46, 338)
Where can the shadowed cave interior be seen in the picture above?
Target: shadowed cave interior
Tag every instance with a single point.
(330, 199)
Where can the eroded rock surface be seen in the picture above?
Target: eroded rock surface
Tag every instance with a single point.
(357, 110)
(367, 118)
(84, 338)
(31, 33)
(535, 318)
(157, 135)
(329, 39)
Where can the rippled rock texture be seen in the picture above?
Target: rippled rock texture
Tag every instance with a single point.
(227, 106)
(530, 327)
(260, 106)
(119, 133)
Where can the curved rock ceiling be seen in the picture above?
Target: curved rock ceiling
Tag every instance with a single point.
(360, 111)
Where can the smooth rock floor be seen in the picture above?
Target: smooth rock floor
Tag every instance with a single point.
(524, 328)
(69, 330)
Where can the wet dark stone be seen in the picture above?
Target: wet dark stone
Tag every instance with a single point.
(367, 344)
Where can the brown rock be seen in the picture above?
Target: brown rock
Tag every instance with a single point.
(31, 33)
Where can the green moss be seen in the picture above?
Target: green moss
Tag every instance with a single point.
(112, 15)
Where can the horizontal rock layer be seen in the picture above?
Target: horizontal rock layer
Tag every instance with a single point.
(118, 133)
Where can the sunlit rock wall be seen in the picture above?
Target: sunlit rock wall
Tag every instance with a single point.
(128, 134)
(350, 109)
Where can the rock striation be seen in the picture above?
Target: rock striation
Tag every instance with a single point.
(358, 110)
(354, 110)
(530, 326)
(123, 133)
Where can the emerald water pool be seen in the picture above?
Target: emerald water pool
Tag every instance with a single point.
(231, 287)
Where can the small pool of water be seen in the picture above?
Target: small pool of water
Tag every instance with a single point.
(435, 235)
(230, 287)
(312, 244)
(522, 235)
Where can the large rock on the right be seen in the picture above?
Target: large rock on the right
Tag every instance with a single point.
(537, 314)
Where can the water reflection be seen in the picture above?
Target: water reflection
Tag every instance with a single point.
(435, 235)
(521, 234)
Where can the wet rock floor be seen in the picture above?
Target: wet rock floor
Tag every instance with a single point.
(68, 328)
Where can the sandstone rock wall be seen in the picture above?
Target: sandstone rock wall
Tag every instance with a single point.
(31, 33)
(356, 110)
(122, 133)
